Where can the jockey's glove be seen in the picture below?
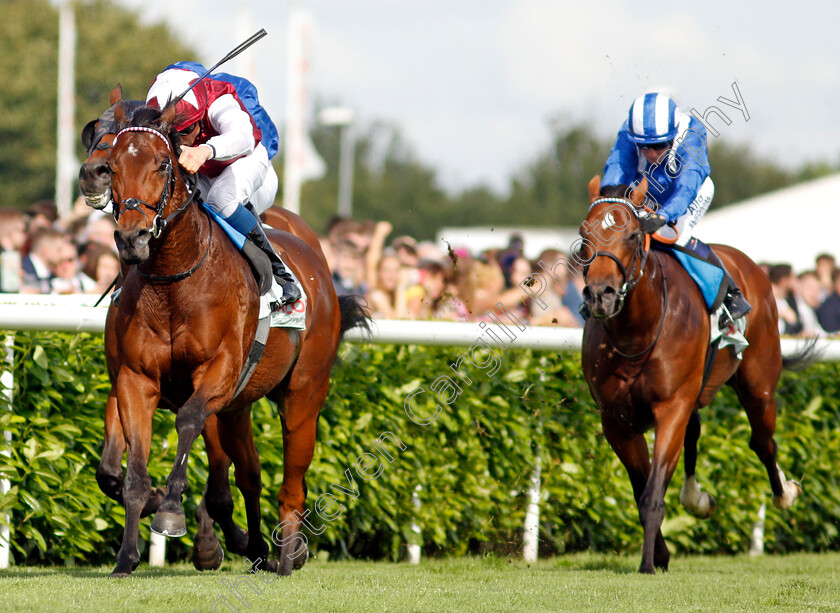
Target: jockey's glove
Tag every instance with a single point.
(652, 222)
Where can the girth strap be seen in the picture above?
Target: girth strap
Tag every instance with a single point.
(255, 354)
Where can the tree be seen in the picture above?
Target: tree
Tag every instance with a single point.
(112, 46)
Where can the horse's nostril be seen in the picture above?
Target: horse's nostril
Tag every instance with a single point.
(609, 291)
(587, 293)
(102, 171)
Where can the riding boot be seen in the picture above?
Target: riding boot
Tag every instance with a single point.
(291, 293)
(736, 306)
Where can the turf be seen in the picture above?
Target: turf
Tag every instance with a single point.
(802, 582)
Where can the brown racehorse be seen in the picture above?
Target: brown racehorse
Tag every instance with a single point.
(182, 332)
(643, 358)
(95, 183)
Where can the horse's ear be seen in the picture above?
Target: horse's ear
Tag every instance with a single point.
(594, 188)
(116, 94)
(637, 196)
(87, 134)
(120, 113)
(167, 117)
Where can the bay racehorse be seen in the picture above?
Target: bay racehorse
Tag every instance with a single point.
(182, 332)
(95, 183)
(644, 350)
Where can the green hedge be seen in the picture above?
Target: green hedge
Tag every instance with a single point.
(472, 464)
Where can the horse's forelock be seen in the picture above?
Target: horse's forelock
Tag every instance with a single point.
(614, 191)
(151, 117)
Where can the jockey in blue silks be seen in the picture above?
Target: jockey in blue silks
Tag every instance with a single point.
(669, 148)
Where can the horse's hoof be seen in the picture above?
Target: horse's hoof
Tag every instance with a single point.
(300, 557)
(792, 491)
(209, 560)
(167, 523)
(119, 574)
(238, 542)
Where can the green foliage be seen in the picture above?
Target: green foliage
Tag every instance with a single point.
(112, 46)
(472, 464)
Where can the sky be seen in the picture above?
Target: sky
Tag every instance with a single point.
(475, 85)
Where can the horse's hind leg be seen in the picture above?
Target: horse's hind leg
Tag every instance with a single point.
(632, 450)
(217, 505)
(756, 389)
(699, 503)
(109, 474)
(300, 407)
(237, 440)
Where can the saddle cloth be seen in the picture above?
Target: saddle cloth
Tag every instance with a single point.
(287, 316)
(709, 278)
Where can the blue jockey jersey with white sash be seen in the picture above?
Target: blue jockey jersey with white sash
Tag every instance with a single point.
(673, 183)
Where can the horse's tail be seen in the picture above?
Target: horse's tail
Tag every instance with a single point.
(804, 357)
(354, 313)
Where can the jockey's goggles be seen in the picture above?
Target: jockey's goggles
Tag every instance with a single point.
(185, 131)
(657, 146)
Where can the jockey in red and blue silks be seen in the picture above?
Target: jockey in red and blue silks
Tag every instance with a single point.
(669, 148)
(222, 142)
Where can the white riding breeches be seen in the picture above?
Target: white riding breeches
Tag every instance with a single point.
(698, 207)
(249, 179)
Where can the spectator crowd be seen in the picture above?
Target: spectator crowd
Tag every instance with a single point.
(400, 277)
(44, 254)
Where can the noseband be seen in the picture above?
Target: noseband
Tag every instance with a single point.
(640, 253)
(158, 223)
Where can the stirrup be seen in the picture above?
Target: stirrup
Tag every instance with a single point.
(735, 306)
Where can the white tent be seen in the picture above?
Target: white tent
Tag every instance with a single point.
(791, 225)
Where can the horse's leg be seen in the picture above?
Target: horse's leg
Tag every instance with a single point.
(301, 404)
(217, 494)
(109, 474)
(632, 450)
(169, 519)
(697, 502)
(137, 400)
(670, 423)
(756, 389)
(237, 439)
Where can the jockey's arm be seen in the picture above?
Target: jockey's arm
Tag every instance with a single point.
(687, 186)
(235, 131)
(693, 157)
(621, 166)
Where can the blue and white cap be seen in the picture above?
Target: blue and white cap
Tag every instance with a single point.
(653, 119)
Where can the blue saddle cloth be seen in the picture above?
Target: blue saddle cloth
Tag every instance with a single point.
(234, 234)
(708, 277)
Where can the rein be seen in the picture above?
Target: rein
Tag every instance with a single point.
(629, 356)
(640, 253)
(186, 273)
(159, 223)
(643, 249)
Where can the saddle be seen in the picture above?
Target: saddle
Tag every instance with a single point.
(707, 270)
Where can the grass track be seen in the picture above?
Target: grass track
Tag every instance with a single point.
(586, 582)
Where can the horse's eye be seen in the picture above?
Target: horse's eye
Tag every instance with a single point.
(164, 166)
(634, 237)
